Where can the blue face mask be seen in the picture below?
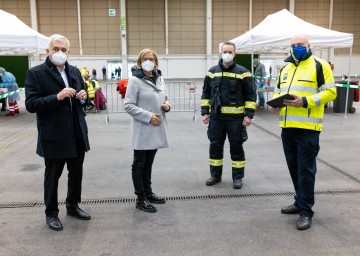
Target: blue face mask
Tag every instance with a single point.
(298, 52)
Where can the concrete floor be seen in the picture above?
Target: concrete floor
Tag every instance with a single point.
(196, 220)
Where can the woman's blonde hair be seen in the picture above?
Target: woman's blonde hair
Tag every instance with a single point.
(141, 57)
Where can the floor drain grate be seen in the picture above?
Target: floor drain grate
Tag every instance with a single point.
(181, 198)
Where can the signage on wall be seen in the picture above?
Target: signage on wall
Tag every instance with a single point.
(112, 12)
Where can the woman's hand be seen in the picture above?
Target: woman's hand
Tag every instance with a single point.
(166, 106)
(155, 119)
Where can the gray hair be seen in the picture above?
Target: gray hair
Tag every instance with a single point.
(2, 70)
(57, 38)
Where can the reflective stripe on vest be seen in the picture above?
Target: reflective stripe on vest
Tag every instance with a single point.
(238, 164)
(301, 119)
(216, 162)
(300, 89)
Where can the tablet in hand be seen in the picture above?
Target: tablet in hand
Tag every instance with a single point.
(279, 101)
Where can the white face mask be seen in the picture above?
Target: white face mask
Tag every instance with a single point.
(59, 58)
(227, 57)
(148, 65)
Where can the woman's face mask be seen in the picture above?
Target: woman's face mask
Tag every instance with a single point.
(298, 52)
(148, 65)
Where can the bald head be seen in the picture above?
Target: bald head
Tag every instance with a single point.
(301, 40)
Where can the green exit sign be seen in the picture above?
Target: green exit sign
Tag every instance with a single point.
(112, 12)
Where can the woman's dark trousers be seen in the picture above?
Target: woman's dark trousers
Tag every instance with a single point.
(141, 172)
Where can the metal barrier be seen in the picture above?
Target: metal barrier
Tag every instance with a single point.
(182, 96)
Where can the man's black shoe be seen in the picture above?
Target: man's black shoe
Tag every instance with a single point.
(54, 223)
(237, 183)
(155, 199)
(78, 213)
(291, 209)
(145, 206)
(304, 221)
(213, 180)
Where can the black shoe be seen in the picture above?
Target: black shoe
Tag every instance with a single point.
(237, 183)
(3, 109)
(304, 221)
(291, 209)
(213, 180)
(54, 223)
(155, 199)
(78, 213)
(145, 206)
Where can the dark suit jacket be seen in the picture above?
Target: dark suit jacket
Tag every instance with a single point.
(55, 120)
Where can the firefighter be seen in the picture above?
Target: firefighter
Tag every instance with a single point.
(227, 105)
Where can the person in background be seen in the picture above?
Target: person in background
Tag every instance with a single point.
(55, 92)
(227, 106)
(9, 82)
(104, 72)
(93, 72)
(146, 101)
(301, 121)
(260, 78)
(91, 87)
(3, 102)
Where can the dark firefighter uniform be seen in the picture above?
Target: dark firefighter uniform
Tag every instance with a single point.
(228, 95)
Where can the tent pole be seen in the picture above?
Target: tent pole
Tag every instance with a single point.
(348, 88)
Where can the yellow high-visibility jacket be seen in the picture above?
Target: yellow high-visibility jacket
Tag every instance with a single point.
(92, 86)
(311, 79)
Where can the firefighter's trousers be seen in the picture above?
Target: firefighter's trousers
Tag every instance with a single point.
(217, 131)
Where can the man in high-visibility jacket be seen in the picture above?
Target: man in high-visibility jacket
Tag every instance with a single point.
(227, 105)
(311, 82)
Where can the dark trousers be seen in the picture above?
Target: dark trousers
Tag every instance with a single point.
(53, 171)
(301, 148)
(141, 172)
(217, 131)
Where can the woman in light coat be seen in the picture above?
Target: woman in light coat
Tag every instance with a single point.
(146, 101)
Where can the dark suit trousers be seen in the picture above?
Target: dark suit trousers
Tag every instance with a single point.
(53, 171)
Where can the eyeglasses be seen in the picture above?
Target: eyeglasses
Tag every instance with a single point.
(145, 59)
(230, 52)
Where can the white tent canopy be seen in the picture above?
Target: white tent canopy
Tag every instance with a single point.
(18, 38)
(275, 31)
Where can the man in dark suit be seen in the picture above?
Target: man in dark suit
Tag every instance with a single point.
(55, 92)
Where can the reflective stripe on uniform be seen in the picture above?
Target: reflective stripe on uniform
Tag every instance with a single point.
(232, 110)
(300, 89)
(238, 164)
(250, 104)
(317, 100)
(216, 162)
(229, 74)
(205, 103)
(301, 119)
(326, 86)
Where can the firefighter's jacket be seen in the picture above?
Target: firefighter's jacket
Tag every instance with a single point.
(228, 93)
(311, 79)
